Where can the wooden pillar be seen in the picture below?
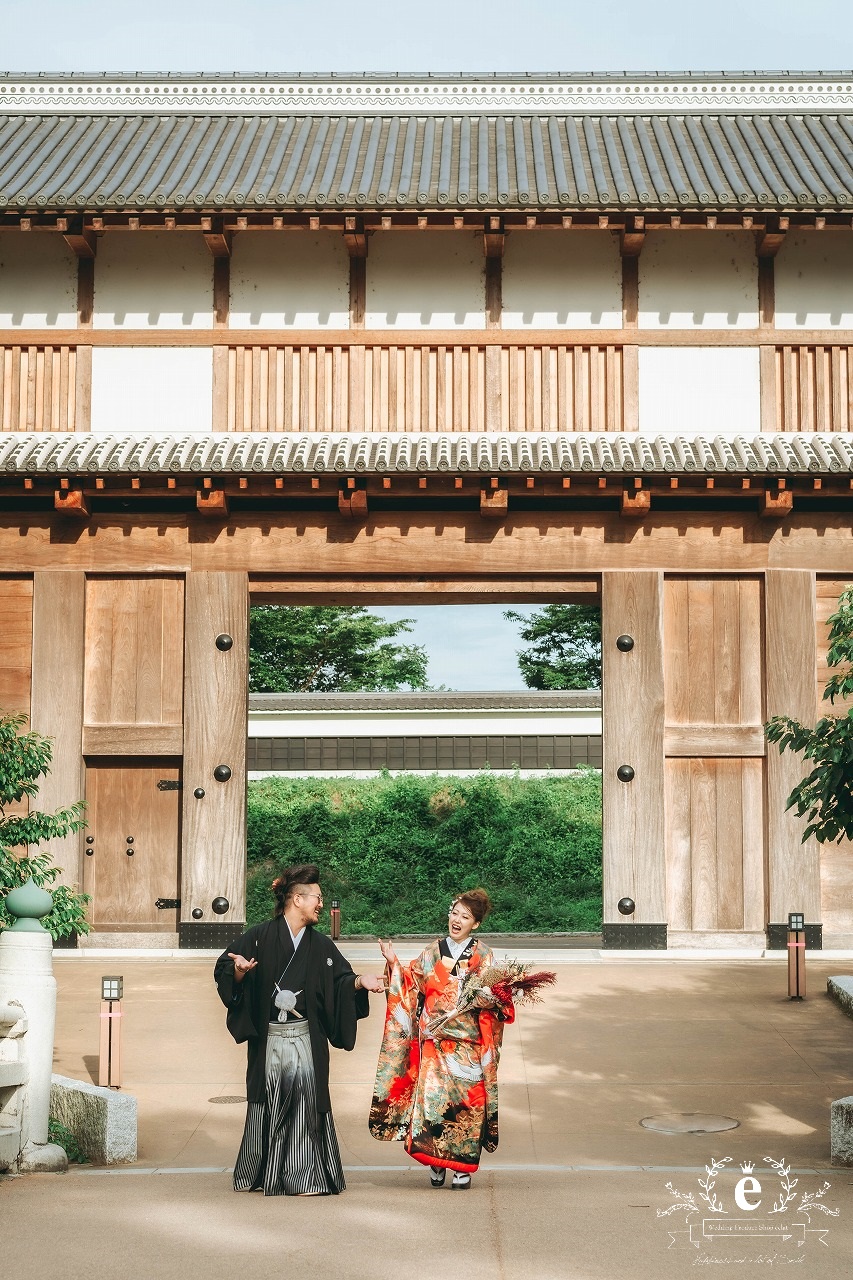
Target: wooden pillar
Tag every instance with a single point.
(791, 680)
(633, 734)
(631, 247)
(213, 839)
(57, 699)
(493, 246)
(83, 356)
(767, 353)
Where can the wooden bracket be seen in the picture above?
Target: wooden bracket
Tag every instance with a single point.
(355, 237)
(636, 503)
(72, 502)
(82, 241)
(775, 504)
(633, 237)
(494, 504)
(494, 238)
(770, 239)
(352, 503)
(216, 238)
(212, 503)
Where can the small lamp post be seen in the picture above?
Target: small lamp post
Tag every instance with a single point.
(796, 956)
(109, 1061)
(335, 920)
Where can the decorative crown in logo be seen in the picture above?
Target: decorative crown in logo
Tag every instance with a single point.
(747, 1167)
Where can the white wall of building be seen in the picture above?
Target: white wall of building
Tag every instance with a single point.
(814, 281)
(712, 390)
(381, 724)
(289, 281)
(425, 280)
(38, 281)
(153, 280)
(562, 281)
(698, 280)
(152, 389)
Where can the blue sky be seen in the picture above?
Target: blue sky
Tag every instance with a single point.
(469, 646)
(444, 36)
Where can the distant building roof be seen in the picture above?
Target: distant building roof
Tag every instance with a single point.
(525, 700)
(754, 142)
(776, 453)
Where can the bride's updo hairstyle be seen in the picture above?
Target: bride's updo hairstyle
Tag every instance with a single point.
(291, 881)
(477, 901)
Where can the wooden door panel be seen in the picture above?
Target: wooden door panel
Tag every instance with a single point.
(124, 801)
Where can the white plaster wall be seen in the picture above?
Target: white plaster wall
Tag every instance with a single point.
(168, 389)
(153, 280)
(425, 280)
(814, 281)
(698, 280)
(692, 390)
(270, 724)
(562, 281)
(282, 281)
(38, 281)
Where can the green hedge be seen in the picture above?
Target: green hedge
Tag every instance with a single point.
(394, 849)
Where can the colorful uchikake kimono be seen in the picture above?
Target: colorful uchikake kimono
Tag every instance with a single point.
(437, 1080)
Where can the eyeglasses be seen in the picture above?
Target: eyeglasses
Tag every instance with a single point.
(318, 896)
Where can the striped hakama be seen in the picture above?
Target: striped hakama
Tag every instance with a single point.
(289, 1148)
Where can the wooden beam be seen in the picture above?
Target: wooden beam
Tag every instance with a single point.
(766, 293)
(769, 240)
(221, 291)
(355, 237)
(85, 291)
(635, 504)
(775, 504)
(217, 239)
(357, 292)
(791, 680)
(212, 503)
(633, 729)
(213, 827)
(632, 237)
(494, 291)
(57, 700)
(132, 739)
(82, 241)
(707, 741)
(72, 502)
(352, 503)
(494, 504)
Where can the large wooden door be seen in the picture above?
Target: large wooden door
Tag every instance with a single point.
(133, 845)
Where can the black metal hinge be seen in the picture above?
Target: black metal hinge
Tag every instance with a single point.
(169, 784)
(167, 904)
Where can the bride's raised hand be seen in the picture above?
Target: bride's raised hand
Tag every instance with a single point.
(388, 951)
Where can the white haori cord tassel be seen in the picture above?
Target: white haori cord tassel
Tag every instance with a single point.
(285, 1002)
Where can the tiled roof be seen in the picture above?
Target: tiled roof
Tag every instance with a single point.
(392, 159)
(526, 700)
(421, 453)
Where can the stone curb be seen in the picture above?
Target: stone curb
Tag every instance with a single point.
(102, 1120)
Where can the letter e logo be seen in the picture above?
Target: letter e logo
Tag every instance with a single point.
(747, 1186)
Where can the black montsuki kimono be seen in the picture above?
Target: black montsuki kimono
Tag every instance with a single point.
(332, 1005)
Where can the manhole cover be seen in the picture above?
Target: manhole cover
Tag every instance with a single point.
(227, 1098)
(689, 1122)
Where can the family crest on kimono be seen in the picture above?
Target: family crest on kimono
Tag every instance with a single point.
(437, 1080)
(290, 994)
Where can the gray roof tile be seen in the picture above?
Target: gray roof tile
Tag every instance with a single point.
(422, 452)
(152, 161)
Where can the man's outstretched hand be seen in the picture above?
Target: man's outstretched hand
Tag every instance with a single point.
(242, 966)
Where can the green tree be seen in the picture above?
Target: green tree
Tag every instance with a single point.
(826, 794)
(330, 649)
(564, 647)
(24, 758)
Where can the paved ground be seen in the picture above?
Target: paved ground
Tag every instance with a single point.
(571, 1194)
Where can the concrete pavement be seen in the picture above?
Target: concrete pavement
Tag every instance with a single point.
(574, 1188)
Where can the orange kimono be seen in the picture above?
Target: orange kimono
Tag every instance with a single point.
(437, 1080)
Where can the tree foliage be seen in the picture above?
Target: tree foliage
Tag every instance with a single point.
(24, 758)
(330, 649)
(393, 849)
(826, 793)
(564, 647)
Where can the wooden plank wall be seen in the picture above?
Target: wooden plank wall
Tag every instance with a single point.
(16, 653)
(134, 666)
(426, 388)
(791, 672)
(57, 698)
(715, 746)
(215, 719)
(38, 386)
(633, 725)
(814, 388)
(836, 860)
